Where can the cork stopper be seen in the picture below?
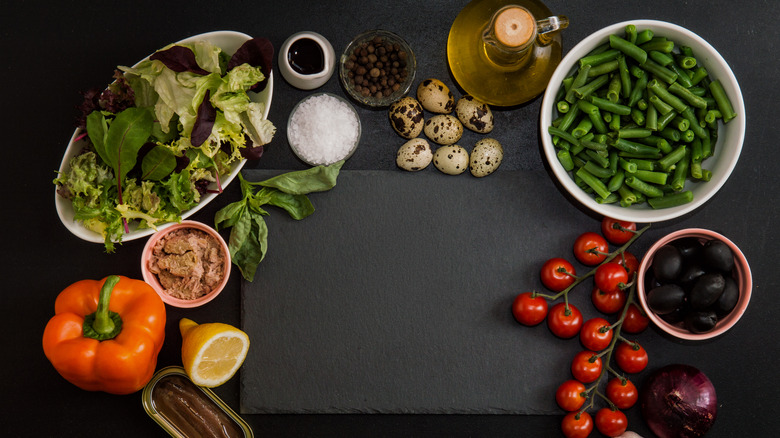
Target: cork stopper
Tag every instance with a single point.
(514, 26)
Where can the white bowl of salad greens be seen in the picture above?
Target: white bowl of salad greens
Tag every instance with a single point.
(166, 137)
(643, 121)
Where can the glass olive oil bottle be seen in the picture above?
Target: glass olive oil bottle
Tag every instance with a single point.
(503, 52)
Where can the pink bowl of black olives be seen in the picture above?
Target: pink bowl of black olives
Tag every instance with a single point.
(694, 284)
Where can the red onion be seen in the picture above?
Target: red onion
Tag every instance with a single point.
(679, 401)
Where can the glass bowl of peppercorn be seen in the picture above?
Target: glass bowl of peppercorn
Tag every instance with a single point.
(377, 68)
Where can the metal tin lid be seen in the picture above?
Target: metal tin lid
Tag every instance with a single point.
(171, 389)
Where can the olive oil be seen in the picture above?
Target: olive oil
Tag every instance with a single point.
(494, 59)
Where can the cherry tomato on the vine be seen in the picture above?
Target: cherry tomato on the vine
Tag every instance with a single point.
(631, 357)
(629, 262)
(622, 392)
(596, 334)
(577, 425)
(584, 369)
(529, 309)
(608, 302)
(610, 277)
(557, 274)
(571, 395)
(615, 230)
(635, 321)
(611, 422)
(590, 248)
(564, 322)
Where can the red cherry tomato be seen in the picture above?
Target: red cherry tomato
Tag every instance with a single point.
(584, 369)
(557, 274)
(608, 303)
(635, 321)
(629, 262)
(571, 395)
(622, 392)
(590, 248)
(631, 358)
(596, 334)
(611, 422)
(564, 322)
(577, 425)
(610, 277)
(617, 232)
(529, 309)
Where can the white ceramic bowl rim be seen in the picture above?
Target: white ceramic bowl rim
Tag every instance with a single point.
(734, 135)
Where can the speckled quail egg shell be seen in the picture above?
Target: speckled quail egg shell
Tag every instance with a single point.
(407, 117)
(451, 159)
(435, 96)
(474, 115)
(486, 157)
(414, 155)
(443, 129)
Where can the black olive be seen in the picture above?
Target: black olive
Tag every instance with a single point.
(718, 255)
(728, 299)
(701, 322)
(689, 247)
(665, 299)
(667, 263)
(676, 316)
(707, 290)
(690, 274)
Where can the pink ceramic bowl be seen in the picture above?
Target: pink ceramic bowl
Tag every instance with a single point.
(152, 280)
(742, 276)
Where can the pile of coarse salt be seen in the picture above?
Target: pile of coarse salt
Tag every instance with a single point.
(323, 129)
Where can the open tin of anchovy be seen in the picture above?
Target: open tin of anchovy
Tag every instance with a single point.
(186, 410)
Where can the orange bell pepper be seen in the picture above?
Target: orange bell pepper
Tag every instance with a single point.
(106, 334)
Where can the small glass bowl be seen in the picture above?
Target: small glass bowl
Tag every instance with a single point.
(296, 148)
(348, 83)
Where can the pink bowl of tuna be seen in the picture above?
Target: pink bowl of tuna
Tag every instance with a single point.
(188, 264)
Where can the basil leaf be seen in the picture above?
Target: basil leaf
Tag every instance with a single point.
(228, 215)
(297, 206)
(301, 182)
(248, 250)
(158, 163)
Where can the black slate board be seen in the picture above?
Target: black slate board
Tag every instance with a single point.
(395, 297)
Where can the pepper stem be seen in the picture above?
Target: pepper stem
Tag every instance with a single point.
(103, 324)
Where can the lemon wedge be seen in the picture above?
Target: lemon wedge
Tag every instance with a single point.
(211, 353)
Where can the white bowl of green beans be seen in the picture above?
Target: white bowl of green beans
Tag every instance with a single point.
(642, 121)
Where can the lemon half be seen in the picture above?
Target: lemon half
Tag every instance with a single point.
(212, 353)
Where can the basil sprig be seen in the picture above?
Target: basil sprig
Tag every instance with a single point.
(248, 241)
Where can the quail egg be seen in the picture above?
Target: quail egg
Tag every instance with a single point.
(474, 115)
(406, 117)
(451, 159)
(443, 129)
(486, 157)
(435, 96)
(414, 155)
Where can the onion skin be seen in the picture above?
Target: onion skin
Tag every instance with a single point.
(679, 401)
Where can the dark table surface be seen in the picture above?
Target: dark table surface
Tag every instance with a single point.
(53, 51)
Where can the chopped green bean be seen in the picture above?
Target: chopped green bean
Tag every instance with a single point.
(629, 49)
(597, 171)
(603, 68)
(588, 88)
(563, 106)
(599, 58)
(661, 106)
(652, 177)
(552, 130)
(659, 71)
(625, 77)
(626, 165)
(634, 133)
(564, 157)
(699, 75)
(671, 200)
(686, 61)
(657, 43)
(651, 120)
(633, 147)
(579, 80)
(631, 33)
(594, 145)
(638, 90)
(681, 172)
(665, 119)
(627, 196)
(643, 36)
(616, 181)
(582, 128)
(674, 101)
(640, 186)
(684, 93)
(600, 157)
(673, 157)
(661, 58)
(723, 101)
(697, 129)
(613, 90)
(593, 182)
(612, 107)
